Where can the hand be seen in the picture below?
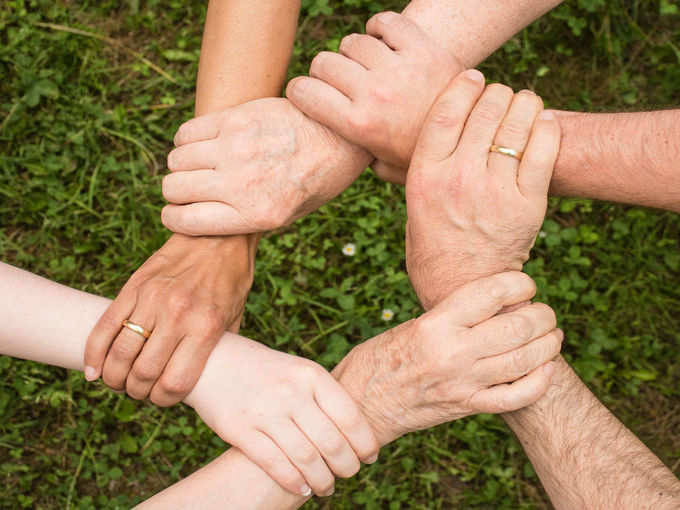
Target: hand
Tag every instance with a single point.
(289, 415)
(472, 213)
(377, 91)
(254, 168)
(188, 293)
(459, 359)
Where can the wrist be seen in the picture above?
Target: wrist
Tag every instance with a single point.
(564, 391)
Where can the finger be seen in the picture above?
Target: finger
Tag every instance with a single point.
(323, 103)
(183, 370)
(205, 127)
(506, 332)
(514, 134)
(127, 346)
(365, 50)
(105, 332)
(328, 440)
(536, 169)
(345, 414)
(303, 455)
(264, 452)
(515, 364)
(206, 219)
(151, 362)
(194, 156)
(484, 121)
(511, 397)
(197, 186)
(482, 299)
(398, 31)
(339, 72)
(446, 120)
(390, 173)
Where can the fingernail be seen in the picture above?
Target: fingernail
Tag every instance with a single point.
(90, 373)
(474, 75)
(372, 459)
(549, 369)
(546, 115)
(306, 490)
(527, 92)
(300, 86)
(330, 492)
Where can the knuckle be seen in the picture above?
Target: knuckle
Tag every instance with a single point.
(517, 364)
(445, 115)
(306, 454)
(175, 383)
(381, 93)
(147, 372)
(514, 130)
(521, 326)
(179, 303)
(123, 351)
(334, 445)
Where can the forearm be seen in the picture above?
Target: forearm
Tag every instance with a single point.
(244, 56)
(622, 157)
(585, 457)
(473, 30)
(245, 52)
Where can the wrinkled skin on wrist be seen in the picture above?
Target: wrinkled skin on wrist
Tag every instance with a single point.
(455, 360)
(254, 168)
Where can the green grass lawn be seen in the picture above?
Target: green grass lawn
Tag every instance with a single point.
(91, 93)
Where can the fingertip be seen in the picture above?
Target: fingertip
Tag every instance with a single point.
(296, 87)
(91, 373)
(474, 76)
(547, 115)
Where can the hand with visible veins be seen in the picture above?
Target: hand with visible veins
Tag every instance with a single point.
(254, 168)
(186, 294)
(471, 212)
(378, 89)
(460, 358)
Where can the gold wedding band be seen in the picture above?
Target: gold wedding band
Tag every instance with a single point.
(137, 329)
(507, 151)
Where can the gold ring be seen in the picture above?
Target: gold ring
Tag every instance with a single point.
(137, 329)
(507, 151)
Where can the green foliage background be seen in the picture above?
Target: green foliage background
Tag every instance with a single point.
(85, 124)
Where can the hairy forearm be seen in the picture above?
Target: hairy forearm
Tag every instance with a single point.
(622, 157)
(474, 30)
(585, 457)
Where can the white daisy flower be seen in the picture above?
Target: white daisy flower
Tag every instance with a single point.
(349, 249)
(387, 315)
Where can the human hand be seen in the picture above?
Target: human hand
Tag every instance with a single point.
(254, 168)
(287, 414)
(187, 293)
(458, 359)
(376, 92)
(472, 213)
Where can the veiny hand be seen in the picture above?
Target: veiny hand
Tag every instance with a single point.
(459, 359)
(254, 168)
(472, 213)
(287, 414)
(376, 92)
(188, 293)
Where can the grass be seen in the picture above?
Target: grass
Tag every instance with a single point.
(91, 95)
